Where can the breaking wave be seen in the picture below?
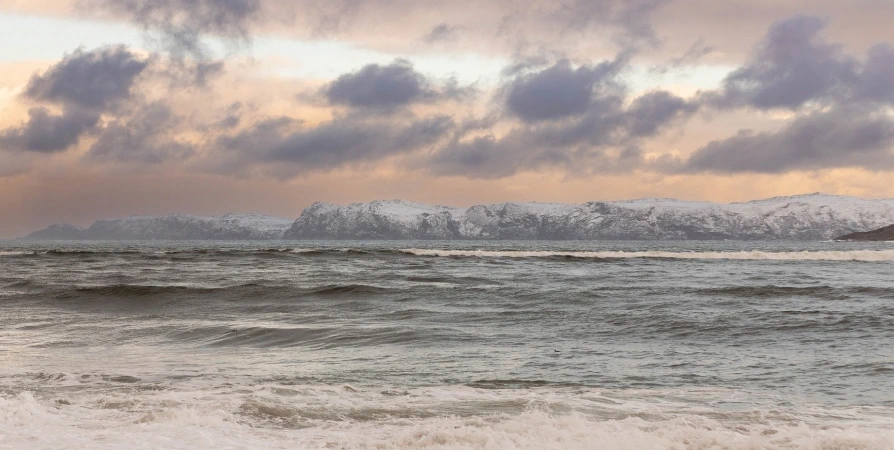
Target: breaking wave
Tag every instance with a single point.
(852, 255)
(332, 418)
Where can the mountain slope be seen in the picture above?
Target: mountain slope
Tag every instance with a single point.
(58, 232)
(882, 234)
(179, 227)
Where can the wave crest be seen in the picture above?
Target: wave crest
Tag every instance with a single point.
(849, 255)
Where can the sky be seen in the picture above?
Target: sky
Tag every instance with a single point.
(110, 108)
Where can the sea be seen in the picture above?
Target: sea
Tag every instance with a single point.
(447, 345)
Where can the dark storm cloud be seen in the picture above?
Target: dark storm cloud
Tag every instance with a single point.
(650, 112)
(48, 133)
(330, 145)
(842, 104)
(575, 119)
(388, 87)
(795, 65)
(792, 66)
(839, 138)
(556, 92)
(876, 81)
(144, 138)
(377, 86)
(96, 79)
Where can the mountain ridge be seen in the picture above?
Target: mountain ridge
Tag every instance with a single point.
(813, 216)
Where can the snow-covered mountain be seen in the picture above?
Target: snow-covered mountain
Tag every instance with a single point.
(803, 217)
(174, 227)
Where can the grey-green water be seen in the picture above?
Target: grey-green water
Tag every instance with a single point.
(447, 345)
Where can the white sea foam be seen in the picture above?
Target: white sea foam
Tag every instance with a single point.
(190, 420)
(14, 253)
(853, 255)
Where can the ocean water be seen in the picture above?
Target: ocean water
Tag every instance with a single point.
(447, 345)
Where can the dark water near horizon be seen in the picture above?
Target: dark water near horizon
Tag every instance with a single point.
(441, 345)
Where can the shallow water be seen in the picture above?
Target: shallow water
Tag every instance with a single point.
(611, 345)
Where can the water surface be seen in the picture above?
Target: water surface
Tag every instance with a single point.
(609, 345)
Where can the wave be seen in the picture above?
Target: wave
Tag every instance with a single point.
(852, 255)
(520, 384)
(131, 290)
(346, 289)
(333, 251)
(312, 337)
(827, 292)
(774, 291)
(249, 290)
(332, 419)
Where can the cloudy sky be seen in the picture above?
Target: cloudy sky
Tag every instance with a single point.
(116, 107)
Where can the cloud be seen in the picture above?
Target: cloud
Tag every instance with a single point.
(48, 133)
(388, 87)
(337, 143)
(376, 86)
(147, 137)
(180, 29)
(552, 113)
(187, 74)
(579, 120)
(652, 111)
(440, 33)
(632, 17)
(838, 138)
(231, 119)
(556, 92)
(876, 81)
(698, 50)
(795, 66)
(842, 105)
(490, 157)
(792, 66)
(183, 23)
(97, 79)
